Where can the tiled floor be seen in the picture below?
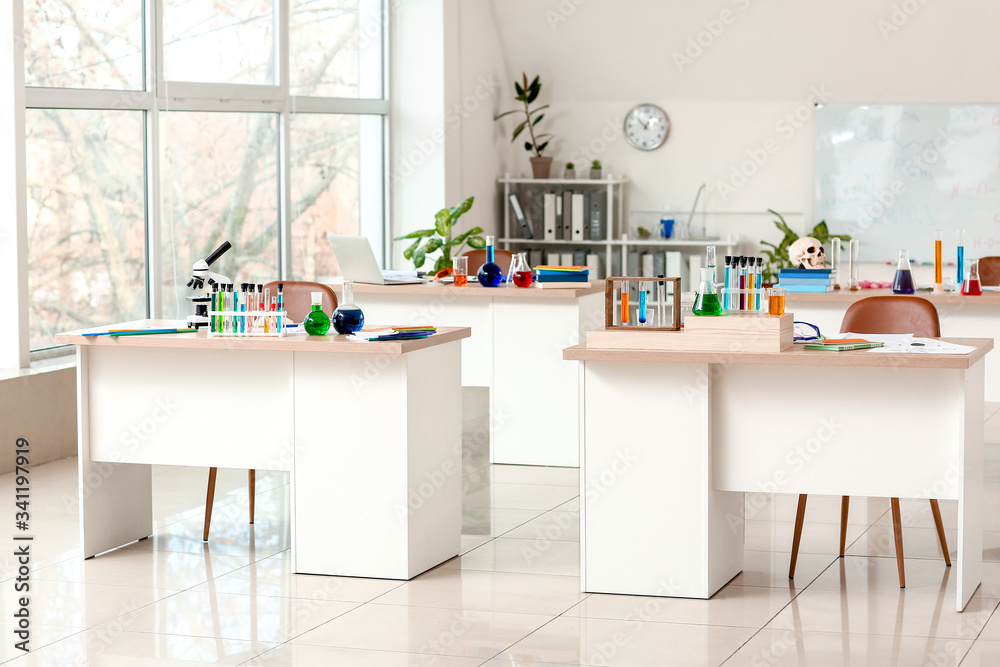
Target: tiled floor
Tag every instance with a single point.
(512, 598)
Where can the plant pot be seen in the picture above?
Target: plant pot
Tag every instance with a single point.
(595, 174)
(541, 166)
(569, 174)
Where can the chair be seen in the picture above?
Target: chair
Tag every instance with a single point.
(477, 258)
(296, 297)
(889, 315)
(989, 271)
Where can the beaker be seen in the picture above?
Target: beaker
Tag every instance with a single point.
(520, 270)
(971, 285)
(902, 283)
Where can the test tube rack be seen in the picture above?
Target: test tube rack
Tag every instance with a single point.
(758, 297)
(250, 323)
(610, 301)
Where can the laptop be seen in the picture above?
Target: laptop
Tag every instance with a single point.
(357, 262)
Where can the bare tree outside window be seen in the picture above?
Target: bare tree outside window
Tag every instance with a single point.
(219, 171)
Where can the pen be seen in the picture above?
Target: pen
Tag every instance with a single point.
(148, 331)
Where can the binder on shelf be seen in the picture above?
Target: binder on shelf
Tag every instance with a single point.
(552, 258)
(534, 257)
(596, 214)
(549, 215)
(694, 273)
(566, 259)
(659, 265)
(559, 216)
(647, 265)
(522, 222)
(579, 258)
(594, 266)
(578, 216)
(633, 272)
(563, 228)
(674, 261)
(536, 217)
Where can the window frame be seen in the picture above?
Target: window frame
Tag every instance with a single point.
(160, 95)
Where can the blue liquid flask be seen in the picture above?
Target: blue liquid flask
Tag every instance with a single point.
(490, 274)
(348, 318)
(903, 282)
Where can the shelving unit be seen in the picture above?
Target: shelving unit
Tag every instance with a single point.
(616, 236)
(614, 212)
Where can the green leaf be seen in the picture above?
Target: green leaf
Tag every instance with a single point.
(537, 109)
(537, 119)
(527, 146)
(507, 113)
(519, 89)
(533, 93)
(458, 240)
(416, 235)
(442, 221)
(518, 130)
(419, 257)
(542, 147)
(442, 263)
(433, 245)
(477, 242)
(408, 253)
(462, 208)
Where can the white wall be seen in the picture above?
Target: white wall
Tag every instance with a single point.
(447, 74)
(758, 63)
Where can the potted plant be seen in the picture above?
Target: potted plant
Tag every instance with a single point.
(595, 170)
(644, 233)
(777, 257)
(569, 171)
(439, 237)
(526, 94)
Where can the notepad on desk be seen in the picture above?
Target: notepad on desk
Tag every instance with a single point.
(842, 347)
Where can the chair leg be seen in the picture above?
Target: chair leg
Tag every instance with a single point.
(936, 511)
(897, 529)
(845, 502)
(800, 516)
(209, 500)
(252, 483)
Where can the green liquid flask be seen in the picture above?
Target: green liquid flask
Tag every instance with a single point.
(707, 301)
(317, 323)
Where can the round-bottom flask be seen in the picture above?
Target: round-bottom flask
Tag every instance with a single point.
(348, 318)
(316, 323)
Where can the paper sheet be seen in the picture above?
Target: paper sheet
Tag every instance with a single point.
(909, 344)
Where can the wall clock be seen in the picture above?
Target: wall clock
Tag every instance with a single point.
(646, 127)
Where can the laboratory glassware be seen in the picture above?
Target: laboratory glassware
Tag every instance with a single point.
(348, 318)
(490, 274)
(902, 283)
(317, 323)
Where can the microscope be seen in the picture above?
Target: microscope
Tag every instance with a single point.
(200, 275)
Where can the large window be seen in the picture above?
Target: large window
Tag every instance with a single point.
(258, 122)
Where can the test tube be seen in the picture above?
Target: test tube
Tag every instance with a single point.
(761, 301)
(938, 267)
(960, 258)
(661, 297)
(743, 283)
(835, 261)
(642, 314)
(853, 255)
(726, 283)
(624, 294)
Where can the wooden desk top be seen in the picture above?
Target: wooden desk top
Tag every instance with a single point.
(847, 296)
(290, 343)
(797, 356)
(437, 289)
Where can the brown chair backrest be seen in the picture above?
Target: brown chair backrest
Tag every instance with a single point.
(477, 258)
(892, 315)
(989, 271)
(297, 297)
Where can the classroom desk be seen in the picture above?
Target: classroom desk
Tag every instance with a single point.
(371, 433)
(672, 440)
(970, 316)
(517, 336)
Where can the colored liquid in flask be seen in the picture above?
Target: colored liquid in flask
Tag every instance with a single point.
(523, 278)
(972, 288)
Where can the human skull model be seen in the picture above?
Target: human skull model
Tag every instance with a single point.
(807, 253)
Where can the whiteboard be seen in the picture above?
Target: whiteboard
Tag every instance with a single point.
(891, 174)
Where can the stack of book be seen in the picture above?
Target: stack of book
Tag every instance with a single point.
(548, 276)
(805, 280)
